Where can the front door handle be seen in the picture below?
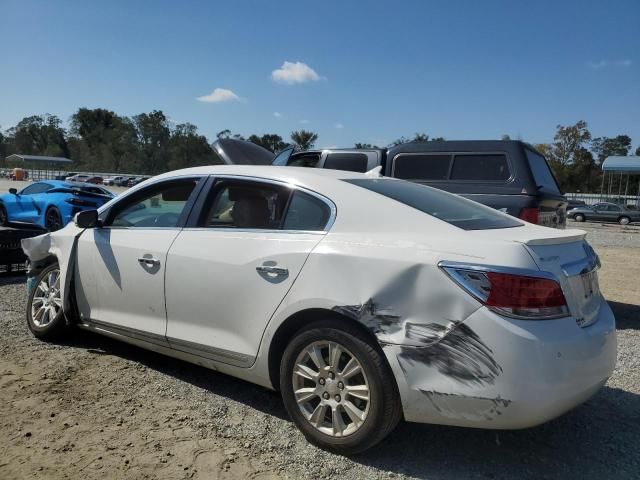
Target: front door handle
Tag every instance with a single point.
(149, 261)
(272, 270)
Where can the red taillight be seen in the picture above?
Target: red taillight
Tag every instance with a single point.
(80, 202)
(519, 296)
(531, 215)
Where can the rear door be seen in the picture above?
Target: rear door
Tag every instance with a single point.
(230, 268)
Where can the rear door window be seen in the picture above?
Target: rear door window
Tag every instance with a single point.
(306, 213)
(421, 166)
(480, 167)
(352, 162)
(541, 172)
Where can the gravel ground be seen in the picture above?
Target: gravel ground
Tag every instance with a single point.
(96, 408)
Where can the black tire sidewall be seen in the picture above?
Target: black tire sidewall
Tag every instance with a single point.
(5, 216)
(58, 324)
(375, 421)
(46, 215)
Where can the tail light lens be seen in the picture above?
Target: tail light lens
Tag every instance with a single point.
(78, 202)
(517, 296)
(531, 215)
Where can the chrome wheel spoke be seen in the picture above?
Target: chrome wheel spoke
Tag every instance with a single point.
(305, 372)
(358, 391)
(335, 351)
(317, 417)
(316, 356)
(303, 395)
(57, 300)
(354, 413)
(351, 368)
(337, 422)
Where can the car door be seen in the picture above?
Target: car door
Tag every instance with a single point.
(230, 268)
(29, 202)
(121, 265)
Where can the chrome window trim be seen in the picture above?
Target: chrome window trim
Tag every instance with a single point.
(333, 210)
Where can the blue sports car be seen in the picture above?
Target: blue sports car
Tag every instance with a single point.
(50, 203)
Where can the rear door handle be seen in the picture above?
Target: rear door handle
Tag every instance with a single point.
(272, 270)
(150, 261)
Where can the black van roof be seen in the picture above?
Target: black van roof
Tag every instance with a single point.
(459, 146)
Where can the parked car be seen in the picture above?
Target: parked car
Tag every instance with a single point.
(510, 176)
(95, 180)
(362, 299)
(135, 181)
(78, 177)
(604, 212)
(110, 181)
(124, 181)
(50, 204)
(574, 204)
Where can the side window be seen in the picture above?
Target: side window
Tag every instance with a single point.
(159, 206)
(490, 167)
(36, 188)
(306, 212)
(421, 166)
(352, 162)
(304, 160)
(246, 205)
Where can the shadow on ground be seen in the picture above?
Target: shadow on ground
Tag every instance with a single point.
(582, 444)
(627, 315)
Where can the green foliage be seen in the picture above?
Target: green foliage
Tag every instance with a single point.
(303, 139)
(270, 141)
(417, 138)
(364, 145)
(604, 147)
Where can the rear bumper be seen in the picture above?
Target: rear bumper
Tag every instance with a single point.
(533, 372)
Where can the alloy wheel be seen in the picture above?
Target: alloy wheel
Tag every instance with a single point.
(331, 388)
(53, 221)
(46, 303)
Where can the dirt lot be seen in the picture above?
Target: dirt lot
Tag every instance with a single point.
(95, 408)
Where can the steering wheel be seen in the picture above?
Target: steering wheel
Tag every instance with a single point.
(166, 219)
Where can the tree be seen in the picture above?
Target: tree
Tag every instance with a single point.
(270, 141)
(187, 148)
(303, 139)
(567, 141)
(40, 135)
(153, 135)
(417, 138)
(364, 145)
(604, 147)
(226, 133)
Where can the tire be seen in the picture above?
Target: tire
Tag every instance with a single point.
(53, 219)
(344, 423)
(4, 218)
(579, 217)
(45, 317)
(624, 220)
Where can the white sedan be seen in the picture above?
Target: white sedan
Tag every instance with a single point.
(362, 299)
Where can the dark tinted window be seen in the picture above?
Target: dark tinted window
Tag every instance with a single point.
(306, 213)
(489, 167)
(450, 208)
(541, 172)
(304, 160)
(352, 162)
(36, 188)
(421, 167)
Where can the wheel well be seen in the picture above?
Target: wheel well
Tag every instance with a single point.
(37, 267)
(295, 323)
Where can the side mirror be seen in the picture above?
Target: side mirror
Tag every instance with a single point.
(13, 191)
(87, 219)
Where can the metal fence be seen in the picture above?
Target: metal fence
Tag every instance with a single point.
(592, 198)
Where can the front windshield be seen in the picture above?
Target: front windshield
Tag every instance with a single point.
(283, 157)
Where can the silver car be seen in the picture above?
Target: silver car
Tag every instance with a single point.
(604, 212)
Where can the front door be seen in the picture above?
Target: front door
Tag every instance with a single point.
(228, 274)
(121, 265)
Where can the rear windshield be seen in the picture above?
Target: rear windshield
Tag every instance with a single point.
(450, 208)
(353, 162)
(541, 172)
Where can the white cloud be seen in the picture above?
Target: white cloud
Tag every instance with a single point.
(608, 63)
(339, 125)
(277, 114)
(290, 73)
(304, 122)
(219, 95)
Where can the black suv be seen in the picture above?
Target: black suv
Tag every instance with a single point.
(507, 175)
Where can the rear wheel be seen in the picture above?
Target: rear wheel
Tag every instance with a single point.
(53, 219)
(624, 220)
(4, 218)
(45, 317)
(338, 388)
(579, 217)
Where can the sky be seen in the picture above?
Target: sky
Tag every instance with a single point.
(352, 71)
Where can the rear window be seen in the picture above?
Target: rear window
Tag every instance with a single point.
(352, 162)
(541, 172)
(447, 207)
(479, 167)
(421, 166)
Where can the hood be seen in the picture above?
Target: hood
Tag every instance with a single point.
(239, 152)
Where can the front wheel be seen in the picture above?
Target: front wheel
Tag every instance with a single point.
(338, 388)
(4, 218)
(624, 220)
(579, 217)
(53, 219)
(45, 317)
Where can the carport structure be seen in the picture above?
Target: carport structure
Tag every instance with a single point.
(622, 168)
(40, 167)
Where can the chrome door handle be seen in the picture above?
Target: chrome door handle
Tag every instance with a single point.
(152, 262)
(274, 270)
